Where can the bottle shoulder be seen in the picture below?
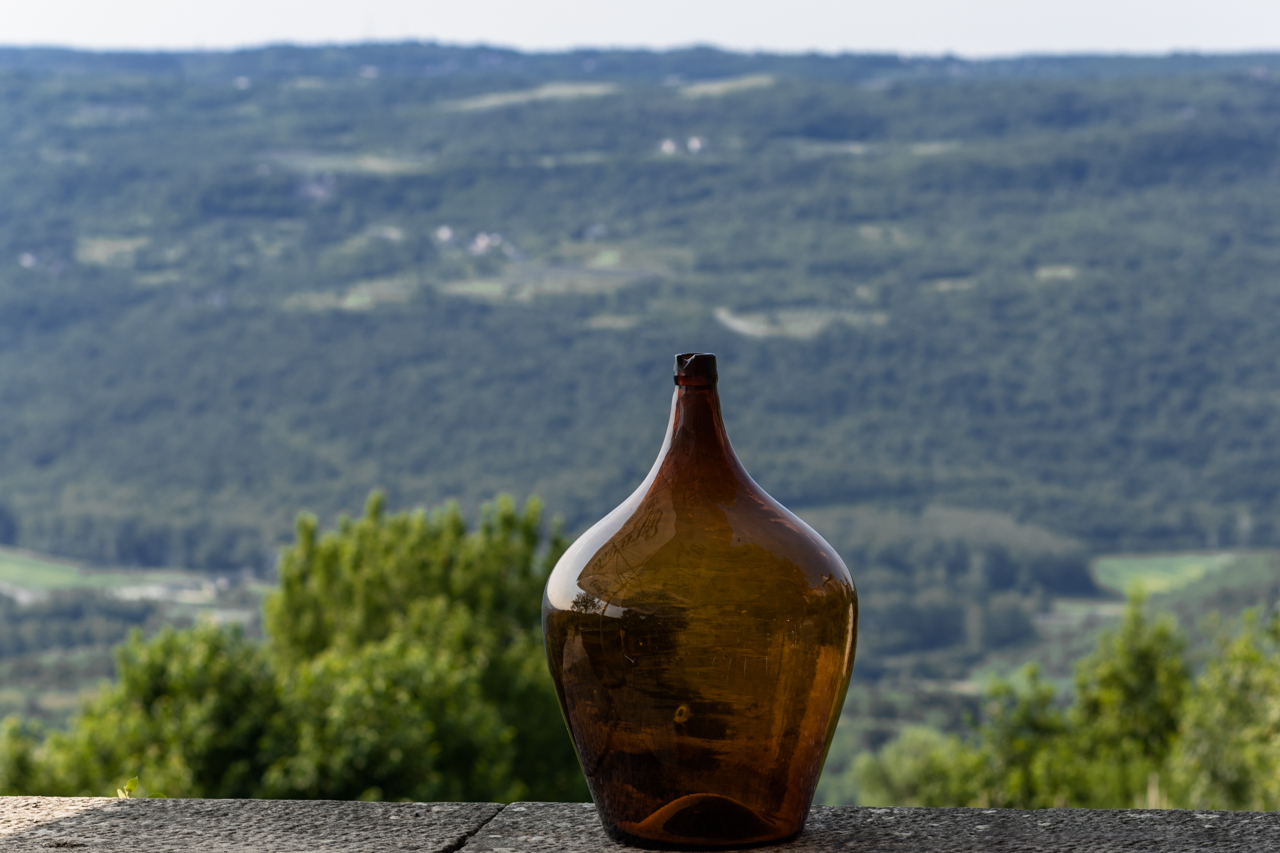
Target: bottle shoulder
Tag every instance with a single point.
(670, 540)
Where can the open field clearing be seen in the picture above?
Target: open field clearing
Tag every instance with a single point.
(797, 324)
(362, 296)
(719, 88)
(385, 165)
(36, 572)
(29, 577)
(109, 251)
(525, 284)
(548, 92)
(1159, 573)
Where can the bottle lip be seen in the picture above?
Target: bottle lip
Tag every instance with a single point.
(696, 368)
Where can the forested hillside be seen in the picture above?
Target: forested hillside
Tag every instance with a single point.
(234, 286)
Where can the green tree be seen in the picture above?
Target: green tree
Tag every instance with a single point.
(1028, 753)
(378, 565)
(1012, 762)
(18, 767)
(1229, 755)
(390, 572)
(920, 767)
(1126, 716)
(190, 714)
(1022, 742)
(403, 660)
(405, 716)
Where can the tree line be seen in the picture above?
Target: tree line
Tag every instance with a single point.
(402, 660)
(1143, 730)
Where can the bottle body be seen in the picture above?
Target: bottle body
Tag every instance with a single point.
(701, 638)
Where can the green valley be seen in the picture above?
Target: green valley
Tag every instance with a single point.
(983, 324)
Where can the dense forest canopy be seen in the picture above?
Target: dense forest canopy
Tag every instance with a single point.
(237, 285)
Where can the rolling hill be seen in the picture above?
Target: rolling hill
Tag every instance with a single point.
(1038, 295)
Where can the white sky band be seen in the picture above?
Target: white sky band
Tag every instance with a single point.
(975, 28)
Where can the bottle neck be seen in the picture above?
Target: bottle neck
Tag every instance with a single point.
(697, 446)
(696, 418)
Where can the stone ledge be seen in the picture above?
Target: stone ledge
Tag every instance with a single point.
(93, 825)
(41, 824)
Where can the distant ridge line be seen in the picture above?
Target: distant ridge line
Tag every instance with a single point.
(430, 59)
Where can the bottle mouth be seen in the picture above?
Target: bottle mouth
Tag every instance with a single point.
(696, 368)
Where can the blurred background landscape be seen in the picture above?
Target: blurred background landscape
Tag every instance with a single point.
(1002, 330)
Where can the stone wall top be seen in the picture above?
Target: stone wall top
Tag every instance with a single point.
(41, 824)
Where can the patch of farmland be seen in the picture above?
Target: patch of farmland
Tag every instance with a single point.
(27, 575)
(1160, 573)
(361, 296)
(386, 165)
(797, 324)
(526, 283)
(718, 88)
(109, 251)
(547, 92)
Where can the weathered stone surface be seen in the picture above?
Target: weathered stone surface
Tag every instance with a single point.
(543, 826)
(538, 827)
(41, 824)
(1049, 831)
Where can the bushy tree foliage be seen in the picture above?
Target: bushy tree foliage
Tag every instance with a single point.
(1110, 749)
(921, 767)
(190, 711)
(1014, 762)
(469, 603)
(1229, 754)
(1127, 710)
(403, 660)
(399, 717)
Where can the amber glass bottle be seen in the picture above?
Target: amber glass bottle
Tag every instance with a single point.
(701, 638)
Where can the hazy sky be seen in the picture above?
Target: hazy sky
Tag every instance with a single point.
(967, 27)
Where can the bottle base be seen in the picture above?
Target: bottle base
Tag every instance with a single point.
(700, 822)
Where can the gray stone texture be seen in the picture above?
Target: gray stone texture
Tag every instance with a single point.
(538, 827)
(93, 825)
(42, 824)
